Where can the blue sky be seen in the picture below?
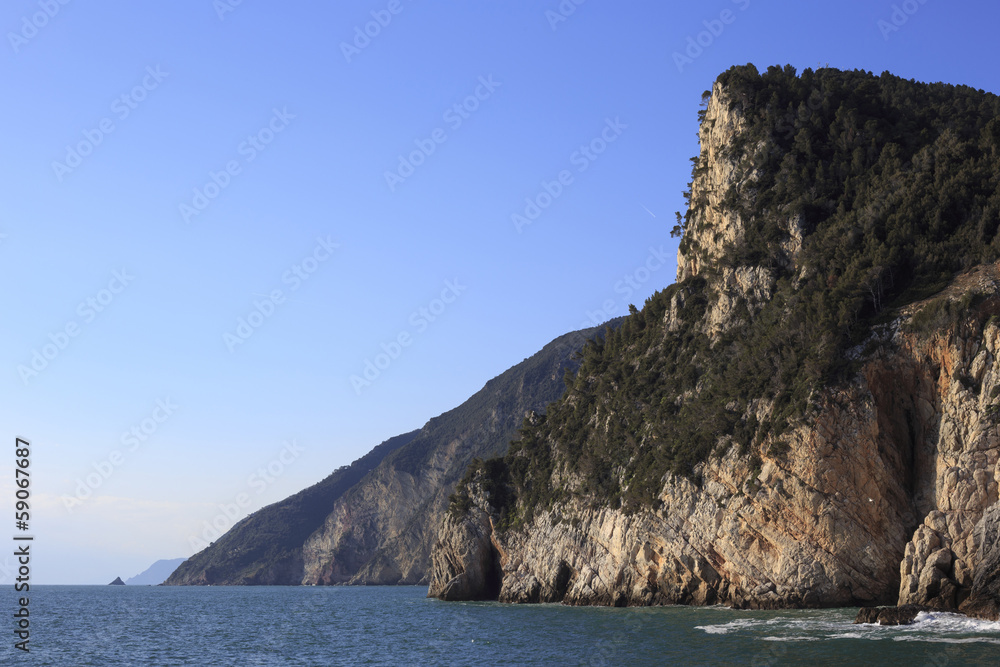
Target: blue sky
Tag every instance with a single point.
(278, 138)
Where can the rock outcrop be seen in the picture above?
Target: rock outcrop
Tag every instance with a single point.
(713, 228)
(984, 598)
(888, 494)
(902, 615)
(885, 492)
(467, 563)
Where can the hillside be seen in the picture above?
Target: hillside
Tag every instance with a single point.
(266, 547)
(372, 522)
(382, 530)
(805, 418)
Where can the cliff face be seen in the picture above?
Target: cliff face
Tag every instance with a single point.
(381, 531)
(885, 490)
(265, 548)
(888, 494)
(371, 522)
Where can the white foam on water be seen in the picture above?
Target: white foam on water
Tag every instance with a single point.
(946, 640)
(929, 627)
(726, 628)
(948, 622)
(851, 635)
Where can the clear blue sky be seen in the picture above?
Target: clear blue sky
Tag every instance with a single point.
(272, 82)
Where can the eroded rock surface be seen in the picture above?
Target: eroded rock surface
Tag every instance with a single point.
(886, 493)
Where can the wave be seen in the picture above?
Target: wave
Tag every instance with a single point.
(930, 627)
(726, 628)
(949, 622)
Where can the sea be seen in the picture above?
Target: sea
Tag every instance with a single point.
(156, 625)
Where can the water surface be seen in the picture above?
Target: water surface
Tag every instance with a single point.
(125, 625)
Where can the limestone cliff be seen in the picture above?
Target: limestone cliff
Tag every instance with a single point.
(881, 488)
(889, 493)
(371, 522)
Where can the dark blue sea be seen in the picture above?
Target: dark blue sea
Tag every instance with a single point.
(124, 625)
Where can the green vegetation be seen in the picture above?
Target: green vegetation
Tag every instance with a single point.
(506, 396)
(942, 313)
(892, 186)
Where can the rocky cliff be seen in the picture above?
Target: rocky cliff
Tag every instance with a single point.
(889, 493)
(880, 486)
(265, 548)
(371, 522)
(381, 531)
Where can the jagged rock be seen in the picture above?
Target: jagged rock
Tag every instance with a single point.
(902, 615)
(984, 599)
(465, 564)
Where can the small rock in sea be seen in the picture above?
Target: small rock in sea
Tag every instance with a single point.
(117, 582)
(903, 615)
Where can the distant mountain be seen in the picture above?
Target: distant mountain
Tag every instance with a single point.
(373, 522)
(156, 573)
(117, 582)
